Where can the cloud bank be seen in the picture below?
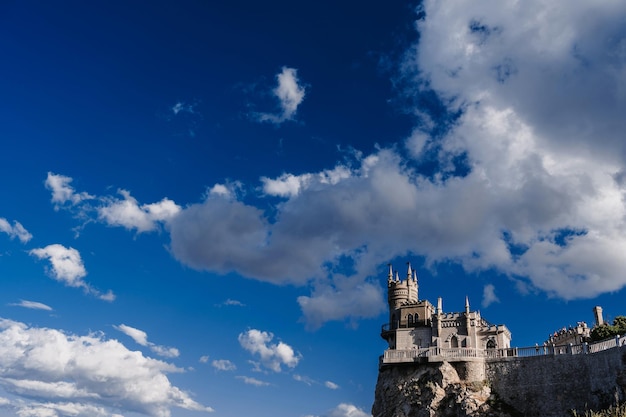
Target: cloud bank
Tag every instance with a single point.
(529, 170)
(55, 373)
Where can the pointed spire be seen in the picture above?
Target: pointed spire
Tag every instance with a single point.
(415, 276)
(390, 276)
(439, 305)
(397, 277)
(409, 273)
(467, 306)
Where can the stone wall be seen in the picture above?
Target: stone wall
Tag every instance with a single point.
(540, 386)
(552, 385)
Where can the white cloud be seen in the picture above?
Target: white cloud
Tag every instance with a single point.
(289, 93)
(331, 385)
(182, 107)
(67, 267)
(347, 410)
(52, 371)
(15, 231)
(140, 337)
(62, 191)
(304, 379)
(538, 94)
(204, 359)
(253, 381)
(489, 296)
(223, 365)
(33, 305)
(272, 355)
(230, 302)
(289, 185)
(130, 215)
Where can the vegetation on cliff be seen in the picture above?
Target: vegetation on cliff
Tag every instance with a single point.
(607, 331)
(618, 411)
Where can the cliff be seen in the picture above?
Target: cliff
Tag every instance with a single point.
(434, 390)
(544, 386)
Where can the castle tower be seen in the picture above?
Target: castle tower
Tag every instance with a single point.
(597, 312)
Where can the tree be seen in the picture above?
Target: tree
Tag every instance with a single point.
(607, 331)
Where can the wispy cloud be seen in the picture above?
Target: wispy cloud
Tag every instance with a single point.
(63, 192)
(32, 305)
(67, 267)
(272, 355)
(53, 370)
(489, 295)
(231, 302)
(253, 381)
(331, 385)
(141, 338)
(290, 94)
(15, 231)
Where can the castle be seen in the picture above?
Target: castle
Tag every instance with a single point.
(442, 364)
(417, 324)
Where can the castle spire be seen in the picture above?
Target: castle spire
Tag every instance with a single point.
(467, 306)
(397, 277)
(390, 276)
(409, 273)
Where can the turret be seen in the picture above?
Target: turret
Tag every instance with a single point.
(597, 312)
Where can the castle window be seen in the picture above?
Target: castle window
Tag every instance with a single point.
(416, 318)
(454, 342)
(491, 344)
(410, 320)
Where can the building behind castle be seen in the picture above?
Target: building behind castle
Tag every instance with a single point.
(416, 324)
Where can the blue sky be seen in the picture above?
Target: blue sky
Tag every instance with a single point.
(201, 198)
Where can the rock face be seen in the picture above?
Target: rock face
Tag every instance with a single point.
(434, 390)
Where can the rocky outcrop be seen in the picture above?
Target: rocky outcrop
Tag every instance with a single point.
(434, 390)
(542, 386)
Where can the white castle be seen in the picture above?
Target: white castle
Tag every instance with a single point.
(417, 324)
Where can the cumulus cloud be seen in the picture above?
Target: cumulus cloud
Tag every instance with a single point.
(223, 365)
(289, 94)
(67, 267)
(346, 410)
(130, 215)
(63, 192)
(15, 231)
(489, 295)
(527, 179)
(59, 373)
(273, 356)
(141, 338)
(32, 305)
(204, 359)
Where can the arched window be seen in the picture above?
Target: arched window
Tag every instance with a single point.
(410, 320)
(416, 318)
(454, 342)
(491, 344)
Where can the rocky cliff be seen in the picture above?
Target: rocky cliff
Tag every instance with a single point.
(434, 390)
(544, 386)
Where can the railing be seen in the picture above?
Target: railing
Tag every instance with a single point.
(439, 354)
